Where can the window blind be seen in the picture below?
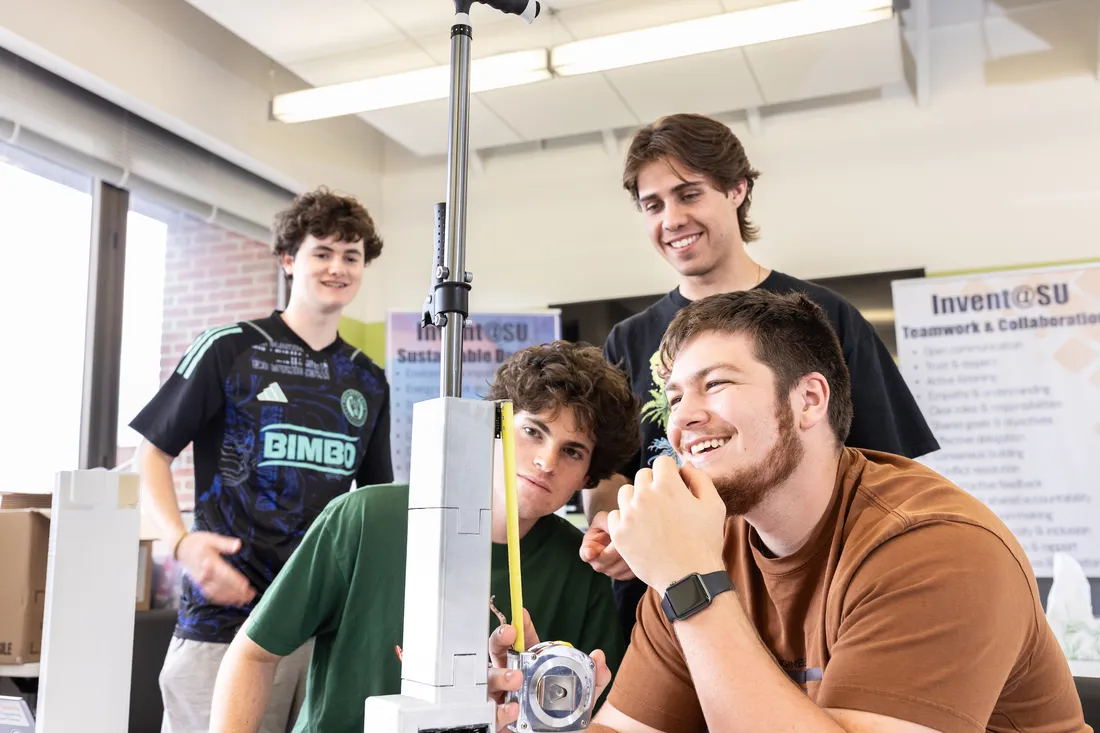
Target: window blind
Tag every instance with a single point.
(58, 120)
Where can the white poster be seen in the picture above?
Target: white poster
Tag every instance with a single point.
(1006, 368)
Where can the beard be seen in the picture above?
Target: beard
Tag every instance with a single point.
(744, 489)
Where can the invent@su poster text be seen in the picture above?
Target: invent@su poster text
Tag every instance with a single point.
(1006, 368)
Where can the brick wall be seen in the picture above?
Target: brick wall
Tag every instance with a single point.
(211, 277)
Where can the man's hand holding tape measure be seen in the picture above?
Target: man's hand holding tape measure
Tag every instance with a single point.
(503, 680)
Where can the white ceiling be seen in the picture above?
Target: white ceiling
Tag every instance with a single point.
(303, 31)
(333, 41)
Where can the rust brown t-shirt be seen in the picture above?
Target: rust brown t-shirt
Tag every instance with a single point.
(909, 599)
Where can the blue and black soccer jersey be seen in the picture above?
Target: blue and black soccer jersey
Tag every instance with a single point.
(279, 431)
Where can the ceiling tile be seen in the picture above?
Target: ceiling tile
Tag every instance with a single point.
(706, 84)
(564, 4)
(560, 107)
(425, 128)
(619, 16)
(416, 17)
(293, 30)
(853, 59)
(732, 6)
(393, 58)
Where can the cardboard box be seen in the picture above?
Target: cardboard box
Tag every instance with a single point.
(24, 548)
(24, 553)
(20, 500)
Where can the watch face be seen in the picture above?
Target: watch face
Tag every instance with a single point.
(686, 596)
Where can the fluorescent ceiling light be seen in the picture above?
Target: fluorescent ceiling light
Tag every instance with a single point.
(492, 72)
(715, 33)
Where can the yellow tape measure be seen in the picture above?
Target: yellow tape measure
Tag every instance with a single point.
(511, 503)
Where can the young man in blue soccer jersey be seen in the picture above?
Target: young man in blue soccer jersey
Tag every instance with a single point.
(284, 416)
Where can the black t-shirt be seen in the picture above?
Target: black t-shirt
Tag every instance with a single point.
(279, 431)
(885, 414)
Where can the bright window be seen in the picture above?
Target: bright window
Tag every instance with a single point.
(142, 322)
(183, 276)
(47, 234)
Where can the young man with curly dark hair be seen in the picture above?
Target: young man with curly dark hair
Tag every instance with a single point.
(284, 415)
(576, 421)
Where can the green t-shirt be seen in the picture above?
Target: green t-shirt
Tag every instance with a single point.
(345, 586)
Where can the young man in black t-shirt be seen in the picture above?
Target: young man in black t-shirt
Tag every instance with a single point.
(284, 416)
(692, 181)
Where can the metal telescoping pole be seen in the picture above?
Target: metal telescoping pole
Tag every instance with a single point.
(454, 248)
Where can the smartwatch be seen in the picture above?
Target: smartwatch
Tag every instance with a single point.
(688, 596)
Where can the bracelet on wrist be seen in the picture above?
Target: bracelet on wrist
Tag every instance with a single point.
(176, 549)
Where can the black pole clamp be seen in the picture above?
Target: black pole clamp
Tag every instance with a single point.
(526, 9)
(445, 295)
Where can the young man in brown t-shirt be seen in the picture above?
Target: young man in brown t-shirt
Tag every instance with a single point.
(798, 586)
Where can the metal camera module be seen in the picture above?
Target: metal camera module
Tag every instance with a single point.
(558, 689)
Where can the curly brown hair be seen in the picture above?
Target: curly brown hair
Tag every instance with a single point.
(790, 333)
(576, 375)
(702, 144)
(323, 213)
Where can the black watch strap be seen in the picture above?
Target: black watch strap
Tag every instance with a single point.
(688, 596)
(716, 582)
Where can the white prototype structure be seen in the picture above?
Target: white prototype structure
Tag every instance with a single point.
(88, 627)
(447, 582)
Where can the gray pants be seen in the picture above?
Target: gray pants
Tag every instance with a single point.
(187, 687)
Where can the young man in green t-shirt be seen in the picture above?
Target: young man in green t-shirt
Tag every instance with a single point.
(576, 421)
